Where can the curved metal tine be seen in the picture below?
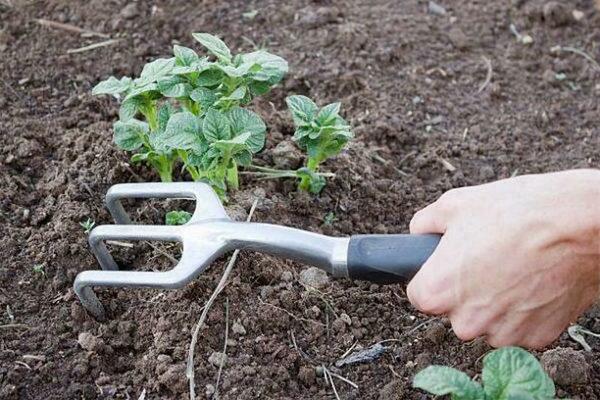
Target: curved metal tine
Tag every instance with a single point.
(211, 207)
(193, 262)
(102, 233)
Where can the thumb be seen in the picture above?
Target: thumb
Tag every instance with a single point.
(431, 219)
(434, 218)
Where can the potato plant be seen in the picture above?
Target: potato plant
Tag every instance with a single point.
(321, 132)
(509, 373)
(190, 108)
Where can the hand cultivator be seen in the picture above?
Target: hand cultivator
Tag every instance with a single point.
(210, 233)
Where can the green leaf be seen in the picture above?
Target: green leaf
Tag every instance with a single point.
(272, 68)
(207, 160)
(130, 135)
(517, 395)
(512, 369)
(302, 132)
(129, 109)
(235, 72)
(243, 120)
(243, 158)
(237, 94)
(216, 126)
(157, 69)
(214, 45)
(139, 157)
(258, 88)
(173, 86)
(234, 145)
(328, 114)
(331, 148)
(316, 181)
(302, 108)
(209, 77)
(203, 96)
(112, 86)
(177, 217)
(182, 132)
(142, 89)
(164, 113)
(184, 56)
(183, 70)
(440, 380)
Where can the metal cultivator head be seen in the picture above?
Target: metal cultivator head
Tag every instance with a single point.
(210, 233)
(196, 256)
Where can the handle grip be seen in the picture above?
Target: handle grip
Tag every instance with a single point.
(389, 258)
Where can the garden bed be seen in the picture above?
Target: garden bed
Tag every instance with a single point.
(436, 101)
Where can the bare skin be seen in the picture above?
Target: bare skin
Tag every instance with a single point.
(519, 259)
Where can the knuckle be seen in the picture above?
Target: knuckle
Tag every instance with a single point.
(539, 342)
(422, 299)
(416, 220)
(497, 341)
(451, 198)
(465, 329)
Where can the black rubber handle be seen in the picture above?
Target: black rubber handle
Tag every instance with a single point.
(389, 258)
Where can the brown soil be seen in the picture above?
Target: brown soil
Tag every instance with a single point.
(411, 84)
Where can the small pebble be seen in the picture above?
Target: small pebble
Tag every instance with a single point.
(217, 358)
(346, 318)
(435, 8)
(459, 39)
(307, 374)
(436, 332)
(130, 11)
(314, 277)
(486, 173)
(89, 342)
(557, 14)
(238, 328)
(578, 15)
(287, 276)
(209, 390)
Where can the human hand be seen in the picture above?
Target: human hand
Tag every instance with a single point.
(519, 259)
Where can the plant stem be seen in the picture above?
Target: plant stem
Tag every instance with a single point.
(193, 171)
(164, 166)
(151, 115)
(165, 176)
(272, 173)
(232, 176)
(190, 106)
(312, 164)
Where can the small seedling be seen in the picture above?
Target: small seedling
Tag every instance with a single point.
(509, 373)
(322, 133)
(177, 217)
(330, 218)
(39, 269)
(88, 225)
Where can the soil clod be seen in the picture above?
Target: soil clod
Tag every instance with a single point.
(566, 366)
(314, 278)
